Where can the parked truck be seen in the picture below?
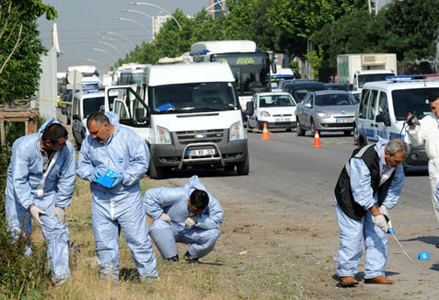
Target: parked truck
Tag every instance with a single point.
(355, 70)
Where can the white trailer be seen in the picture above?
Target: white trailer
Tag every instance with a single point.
(355, 70)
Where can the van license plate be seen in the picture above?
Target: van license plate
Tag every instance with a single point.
(283, 120)
(201, 152)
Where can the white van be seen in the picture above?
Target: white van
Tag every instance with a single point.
(85, 103)
(190, 116)
(383, 110)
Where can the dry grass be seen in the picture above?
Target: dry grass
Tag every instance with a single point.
(248, 262)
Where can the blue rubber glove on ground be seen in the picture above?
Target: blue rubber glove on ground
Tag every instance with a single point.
(96, 174)
(118, 179)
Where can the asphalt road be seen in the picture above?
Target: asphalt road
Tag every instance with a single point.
(288, 168)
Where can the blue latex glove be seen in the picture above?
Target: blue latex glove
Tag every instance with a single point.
(96, 174)
(118, 179)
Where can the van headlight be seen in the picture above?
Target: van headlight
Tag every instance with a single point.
(235, 131)
(265, 114)
(163, 136)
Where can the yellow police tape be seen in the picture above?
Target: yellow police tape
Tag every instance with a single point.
(57, 101)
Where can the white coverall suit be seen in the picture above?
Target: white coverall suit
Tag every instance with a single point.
(356, 235)
(25, 175)
(428, 132)
(119, 208)
(174, 202)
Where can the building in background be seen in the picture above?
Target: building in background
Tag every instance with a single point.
(215, 7)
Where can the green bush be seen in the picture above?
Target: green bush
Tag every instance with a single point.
(21, 277)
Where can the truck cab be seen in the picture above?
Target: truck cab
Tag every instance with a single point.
(355, 70)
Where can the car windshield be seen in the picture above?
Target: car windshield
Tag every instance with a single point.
(276, 101)
(412, 100)
(193, 97)
(300, 93)
(335, 99)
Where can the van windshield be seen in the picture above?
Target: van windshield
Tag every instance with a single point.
(193, 97)
(412, 100)
(90, 105)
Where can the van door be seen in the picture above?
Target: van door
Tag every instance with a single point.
(132, 110)
(382, 119)
(361, 117)
(372, 111)
(76, 122)
(252, 119)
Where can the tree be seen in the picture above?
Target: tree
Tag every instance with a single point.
(408, 28)
(298, 20)
(21, 48)
(412, 28)
(358, 32)
(172, 40)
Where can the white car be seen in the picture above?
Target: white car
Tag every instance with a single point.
(276, 109)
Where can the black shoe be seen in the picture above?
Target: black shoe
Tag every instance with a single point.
(173, 259)
(190, 259)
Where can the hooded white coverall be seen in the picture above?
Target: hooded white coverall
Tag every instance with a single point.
(120, 207)
(428, 132)
(25, 173)
(356, 235)
(174, 202)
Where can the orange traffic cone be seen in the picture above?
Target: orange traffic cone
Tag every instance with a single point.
(265, 134)
(317, 143)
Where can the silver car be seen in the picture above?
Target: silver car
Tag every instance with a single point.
(326, 110)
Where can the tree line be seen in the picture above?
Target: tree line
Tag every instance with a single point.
(316, 31)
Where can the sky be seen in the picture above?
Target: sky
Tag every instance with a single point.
(80, 24)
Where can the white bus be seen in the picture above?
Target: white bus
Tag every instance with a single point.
(250, 67)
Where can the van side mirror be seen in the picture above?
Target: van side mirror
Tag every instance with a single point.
(76, 117)
(249, 109)
(140, 115)
(383, 118)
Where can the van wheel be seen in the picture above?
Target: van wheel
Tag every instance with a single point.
(243, 167)
(347, 132)
(355, 134)
(153, 171)
(78, 145)
(260, 125)
(300, 131)
(361, 142)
